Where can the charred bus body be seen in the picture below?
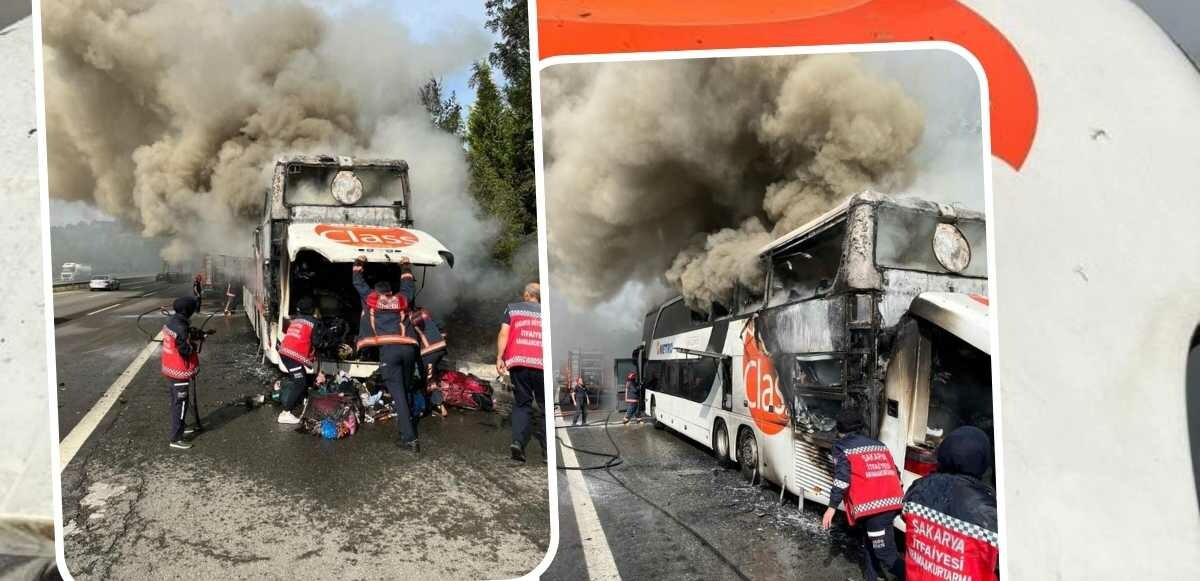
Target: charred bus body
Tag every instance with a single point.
(880, 304)
(319, 214)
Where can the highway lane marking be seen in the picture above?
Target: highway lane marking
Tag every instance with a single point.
(597, 554)
(104, 309)
(83, 430)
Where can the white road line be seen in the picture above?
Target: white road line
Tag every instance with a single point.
(80, 433)
(148, 294)
(597, 554)
(104, 309)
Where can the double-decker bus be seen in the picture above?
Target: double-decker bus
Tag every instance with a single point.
(880, 304)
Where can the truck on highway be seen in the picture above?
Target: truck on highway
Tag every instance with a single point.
(74, 272)
(879, 304)
(319, 213)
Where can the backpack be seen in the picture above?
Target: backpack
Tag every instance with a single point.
(332, 417)
(462, 390)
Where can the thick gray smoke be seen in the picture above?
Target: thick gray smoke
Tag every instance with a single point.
(640, 157)
(169, 114)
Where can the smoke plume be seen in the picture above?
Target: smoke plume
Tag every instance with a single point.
(169, 114)
(640, 157)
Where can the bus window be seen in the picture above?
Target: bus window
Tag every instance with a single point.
(960, 388)
(677, 318)
(905, 240)
(808, 271)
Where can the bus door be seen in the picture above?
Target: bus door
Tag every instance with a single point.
(725, 376)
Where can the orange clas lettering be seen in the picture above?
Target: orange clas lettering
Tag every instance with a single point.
(370, 236)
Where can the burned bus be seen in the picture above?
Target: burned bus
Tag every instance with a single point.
(879, 304)
(319, 214)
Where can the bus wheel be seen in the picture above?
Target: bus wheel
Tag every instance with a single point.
(747, 453)
(654, 417)
(721, 443)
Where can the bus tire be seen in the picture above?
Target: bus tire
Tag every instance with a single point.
(654, 417)
(747, 453)
(721, 444)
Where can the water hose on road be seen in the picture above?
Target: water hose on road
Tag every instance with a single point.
(616, 460)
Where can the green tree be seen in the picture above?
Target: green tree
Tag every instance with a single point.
(445, 112)
(510, 19)
(492, 155)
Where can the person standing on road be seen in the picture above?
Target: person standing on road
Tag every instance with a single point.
(951, 514)
(198, 289)
(297, 353)
(866, 478)
(580, 399)
(519, 354)
(180, 362)
(633, 398)
(385, 324)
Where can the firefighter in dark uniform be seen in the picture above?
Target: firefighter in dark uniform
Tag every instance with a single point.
(180, 362)
(633, 398)
(198, 289)
(297, 353)
(385, 324)
(866, 478)
(433, 343)
(519, 354)
(950, 515)
(580, 399)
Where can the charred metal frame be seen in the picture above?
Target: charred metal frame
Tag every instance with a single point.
(859, 337)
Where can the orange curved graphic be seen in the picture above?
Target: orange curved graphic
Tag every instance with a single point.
(762, 387)
(612, 26)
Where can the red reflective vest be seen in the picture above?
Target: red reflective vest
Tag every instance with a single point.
(175, 365)
(939, 546)
(297, 343)
(524, 347)
(874, 484)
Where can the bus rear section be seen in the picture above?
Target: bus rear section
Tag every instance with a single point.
(877, 305)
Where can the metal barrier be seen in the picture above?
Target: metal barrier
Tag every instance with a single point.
(73, 285)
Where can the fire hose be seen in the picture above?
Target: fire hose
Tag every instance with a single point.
(614, 459)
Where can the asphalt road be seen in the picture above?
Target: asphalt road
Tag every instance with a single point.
(254, 499)
(669, 512)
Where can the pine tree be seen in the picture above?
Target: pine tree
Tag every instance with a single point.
(445, 112)
(492, 155)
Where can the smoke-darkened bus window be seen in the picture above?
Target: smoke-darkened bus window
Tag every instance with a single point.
(677, 318)
(810, 270)
(312, 185)
(960, 390)
(904, 239)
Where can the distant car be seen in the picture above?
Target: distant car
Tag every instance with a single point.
(104, 282)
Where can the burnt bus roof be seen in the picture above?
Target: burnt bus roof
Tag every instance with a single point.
(341, 161)
(828, 219)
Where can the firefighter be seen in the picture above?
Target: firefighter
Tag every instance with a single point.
(385, 324)
(866, 478)
(297, 352)
(950, 515)
(198, 289)
(519, 354)
(180, 362)
(433, 343)
(633, 398)
(580, 399)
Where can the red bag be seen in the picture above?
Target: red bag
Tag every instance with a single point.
(462, 390)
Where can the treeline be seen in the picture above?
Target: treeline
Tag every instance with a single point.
(497, 132)
(108, 247)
